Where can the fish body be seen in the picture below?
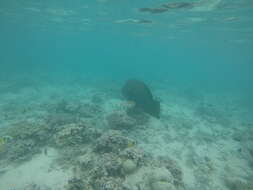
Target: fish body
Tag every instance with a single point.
(138, 92)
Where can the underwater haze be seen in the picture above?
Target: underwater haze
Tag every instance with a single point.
(65, 124)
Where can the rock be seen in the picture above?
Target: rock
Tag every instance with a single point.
(160, 174)
(160, 179)
(162, 185)
(129, 166)
(174, 169)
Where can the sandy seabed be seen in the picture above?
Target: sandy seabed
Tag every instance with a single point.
(209, 135)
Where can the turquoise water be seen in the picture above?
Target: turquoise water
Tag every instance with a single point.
(88, 37)
(197, 61)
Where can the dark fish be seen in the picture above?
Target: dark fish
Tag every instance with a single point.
(178, 5)
(167, 6)
(145, 21)
(154, 10)
(138, 92)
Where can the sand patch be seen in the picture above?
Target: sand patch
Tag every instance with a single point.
(38, 170)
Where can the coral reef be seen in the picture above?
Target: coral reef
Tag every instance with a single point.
(114, 160)
(75, 134)
(96, 141)
(174, 169)
(75, 184)
(112, 141)
(134, 154)
(25, 138)
(100, 160)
